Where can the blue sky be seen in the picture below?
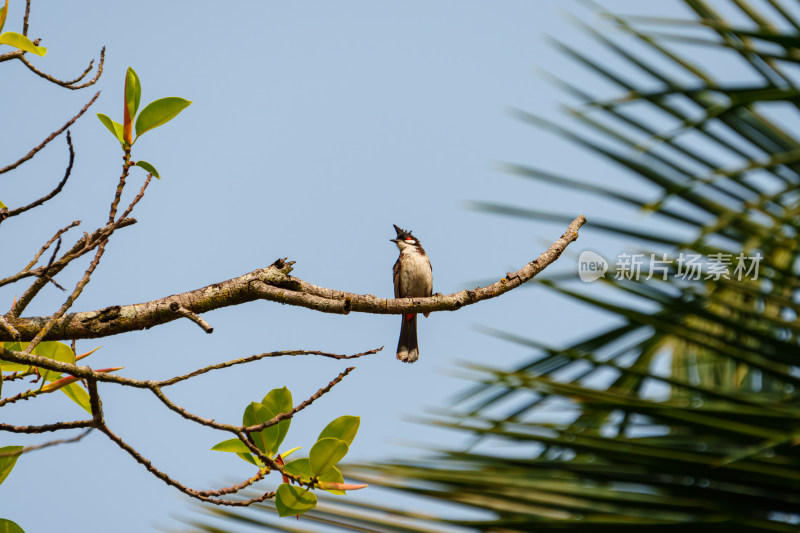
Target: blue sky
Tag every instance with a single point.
(315, 127)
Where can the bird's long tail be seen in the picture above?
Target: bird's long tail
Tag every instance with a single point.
(407, 348)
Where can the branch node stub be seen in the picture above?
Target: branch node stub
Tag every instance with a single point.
(174, 306)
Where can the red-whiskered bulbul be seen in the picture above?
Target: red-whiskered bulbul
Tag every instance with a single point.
(413, 277)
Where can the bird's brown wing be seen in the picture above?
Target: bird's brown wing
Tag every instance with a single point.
(395, 274)
(430, 285)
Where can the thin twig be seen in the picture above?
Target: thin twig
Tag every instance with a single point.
(148, 465)
(55, 237)
(178, 379)
(45, 275)
(83, 246)
(101, 248)
(86, 275)
(50, 137)
(87, 70)
(126, 166)
(58, 426)
(289, 414)
(69, 84)
(25, 19)
(51, 194)
(29, 449)
(235, 488)
(156, 389)
(84, 372)
(102, 236)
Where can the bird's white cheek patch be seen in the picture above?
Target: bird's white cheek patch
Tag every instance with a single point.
(411, 241)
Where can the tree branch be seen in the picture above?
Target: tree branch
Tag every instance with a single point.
(51, 194)
(273, 283)
(28, 449)
(58, 426)
(52, 136)
(82, 246)
(71, 83)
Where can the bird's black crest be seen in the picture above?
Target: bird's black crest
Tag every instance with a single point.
(402, 234)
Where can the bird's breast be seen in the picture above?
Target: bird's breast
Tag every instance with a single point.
(415, 275)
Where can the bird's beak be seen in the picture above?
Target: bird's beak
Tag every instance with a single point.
(394, 240)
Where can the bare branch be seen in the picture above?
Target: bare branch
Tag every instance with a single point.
(284, 416)
(51, 194)
(235, 488)
(45, 275)
(58, 426)
(53, 319)
(84, 372)
(28, 449)
(70, 84)
(126, 167)
(27, 16)
(69, 301)
(52, 136)
(139, 458)
(55, 237)
(84, 245)
(275, 283)
(252, 358)
(51, 269)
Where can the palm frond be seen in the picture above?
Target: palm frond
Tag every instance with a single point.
(684, 415)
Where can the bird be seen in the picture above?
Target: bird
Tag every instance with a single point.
(413, 277)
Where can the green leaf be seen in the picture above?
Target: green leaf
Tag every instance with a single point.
(277, 401)
(248, 457)
(302, 468)
(332, 475)
(287, 453)
(299, 467)
(8, 366)
(231, 445)
(159, 112)
(343, 428)
(254, 414)
(17, 40)
(239, 448)
(133, 92)
(7, 526)
(148, 167)
(114, 127)
(291, 500)
(3, 15)
(55, 350)
(325, 454)
(78, 395)
(7, 462)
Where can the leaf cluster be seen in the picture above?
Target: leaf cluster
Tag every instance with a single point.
(318, 470)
